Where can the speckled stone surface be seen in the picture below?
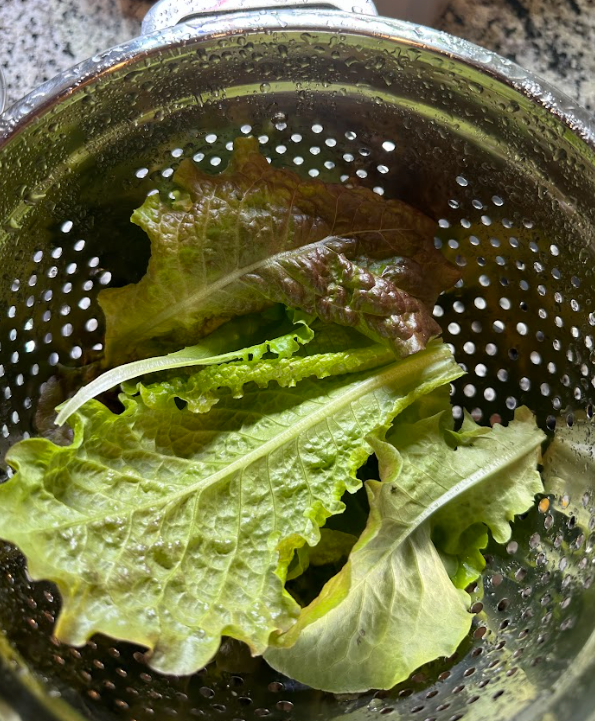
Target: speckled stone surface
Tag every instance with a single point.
(41, 38)
(555, 38)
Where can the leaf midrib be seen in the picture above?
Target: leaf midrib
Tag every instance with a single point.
(390, 373)
(135, 369)
(195, 299)
(445, 498)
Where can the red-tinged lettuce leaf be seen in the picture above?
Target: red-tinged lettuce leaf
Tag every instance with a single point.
(234, 243)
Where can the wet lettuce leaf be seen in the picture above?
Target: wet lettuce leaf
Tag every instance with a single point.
(222, 346)
(202, 390)
(569, 468)
(466, 565)
(234, 243)
(393, 607)
(172, 529)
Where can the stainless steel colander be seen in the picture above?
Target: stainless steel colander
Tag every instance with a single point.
(504, 163)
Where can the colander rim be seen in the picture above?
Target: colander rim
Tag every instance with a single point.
(529, 84)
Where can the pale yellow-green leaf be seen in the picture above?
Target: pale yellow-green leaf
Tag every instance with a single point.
(569, 470)
(393, 607)
(171, 529)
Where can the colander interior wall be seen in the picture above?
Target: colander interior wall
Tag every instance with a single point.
(512, 189)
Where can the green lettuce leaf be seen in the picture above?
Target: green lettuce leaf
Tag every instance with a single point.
(172, 529)
(467, 433)
(569, 469)
(333, 338)
(300, 562)
(332, 548)
(467, 565)
(234, 243)
(393, 607)
(200, 391)
(206, 353)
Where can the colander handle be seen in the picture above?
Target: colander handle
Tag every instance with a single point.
(167, 13)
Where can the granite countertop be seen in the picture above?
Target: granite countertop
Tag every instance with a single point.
(555, 38)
